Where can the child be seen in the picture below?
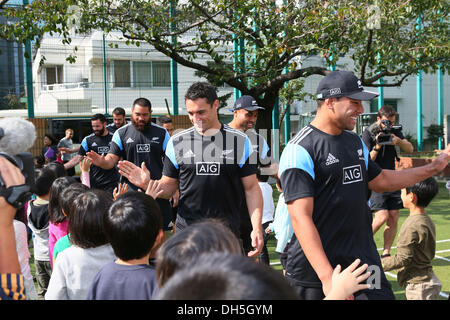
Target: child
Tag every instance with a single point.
(133, 225)
(267, 217)
(228, 276)
(23, 254)
(58, 221)
(416, 244)
(66, 200)
(76, 266)
(184, 247)
(282, 226)
(38, 221)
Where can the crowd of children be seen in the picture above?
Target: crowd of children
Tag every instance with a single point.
(89, 244)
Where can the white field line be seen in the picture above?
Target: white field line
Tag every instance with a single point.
(439, 241)
(439, 257)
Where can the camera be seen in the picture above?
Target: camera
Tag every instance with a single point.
(386, 132)
(17, 136)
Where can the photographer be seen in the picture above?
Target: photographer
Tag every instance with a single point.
(11, 280)
(381, 138)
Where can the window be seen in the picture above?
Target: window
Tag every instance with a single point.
(53, 74)
(161, 73)
(122, 73)
(374, 104)
(141, 74)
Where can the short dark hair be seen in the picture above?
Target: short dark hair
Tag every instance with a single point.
(86, 218)
(425, 191)
(57, 168)
(164, 119)
(387, 110)
(54, 210)
(43, 181)
(69, 194)
(99, 116)
(118, 111)
(184, 247)
(201, 90)
(143, 102)
(51, 137)
(226, 276)
(132, 225)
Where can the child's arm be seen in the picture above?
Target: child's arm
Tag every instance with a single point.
(85, 166)
(405, 252)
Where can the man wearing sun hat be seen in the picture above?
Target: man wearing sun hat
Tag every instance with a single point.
(326, 174)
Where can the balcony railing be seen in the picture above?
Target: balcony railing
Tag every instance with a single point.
(63, 86)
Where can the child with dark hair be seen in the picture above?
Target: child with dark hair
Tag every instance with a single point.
(133, 226)
(416, 244)
(184, 247)
(76, 266)
(59, 224)
(38, 221)
(228, 276)
(66, 201)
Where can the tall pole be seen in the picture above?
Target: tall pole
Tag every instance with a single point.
(380, 90)
(105, 84)
(287, 114)
(419, 99)
(440, 104)
(173, 63)
(29, 76)
(276, 130)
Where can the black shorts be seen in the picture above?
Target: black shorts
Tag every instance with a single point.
(386, 201)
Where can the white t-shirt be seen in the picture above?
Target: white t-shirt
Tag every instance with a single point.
(74, 269)
(269, 207)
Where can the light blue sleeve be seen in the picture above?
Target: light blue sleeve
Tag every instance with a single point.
(170, 153)
(265, 150)
(366, 154)
(247, 152)
(296, 156)
(166, 140)
(282, 225)
(85, 145)
(116, 139)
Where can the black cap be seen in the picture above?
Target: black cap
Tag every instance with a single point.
(343, 84)
(246, 102)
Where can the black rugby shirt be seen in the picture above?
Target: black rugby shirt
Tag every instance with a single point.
(209, 170)
(99, 178)
(335, 171)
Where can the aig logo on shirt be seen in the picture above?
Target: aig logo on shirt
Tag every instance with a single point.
(141, 148)
(103, 150)
(352, 174)
(207, 168)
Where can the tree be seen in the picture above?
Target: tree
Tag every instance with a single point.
(272, 37)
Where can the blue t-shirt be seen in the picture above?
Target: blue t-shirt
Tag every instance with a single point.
(124, 282)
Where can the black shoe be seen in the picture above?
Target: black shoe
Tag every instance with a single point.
(385, 255)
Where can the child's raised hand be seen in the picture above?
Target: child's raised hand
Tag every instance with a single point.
(120, 190)
(154, 189)
(345, 283)
(85, 164)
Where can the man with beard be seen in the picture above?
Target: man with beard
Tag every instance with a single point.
(140, 142)
(98, 142)
(119, 120)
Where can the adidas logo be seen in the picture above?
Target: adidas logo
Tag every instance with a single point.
(130, 140)
(331, 159)
(189, 154)
(94, 144)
